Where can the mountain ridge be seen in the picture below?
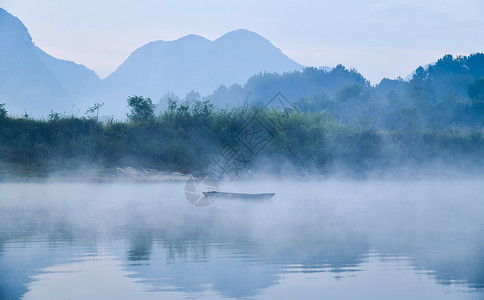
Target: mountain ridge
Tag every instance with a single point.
(195, 63)
(21, 67)
(36, 82)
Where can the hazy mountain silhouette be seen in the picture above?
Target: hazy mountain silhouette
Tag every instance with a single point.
(25, 81)
(33, 81)
(77, 79)
(195, 63)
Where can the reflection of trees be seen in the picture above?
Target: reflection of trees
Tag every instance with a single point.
(239, 250)
(239, 268)
(33, 237)
(463, 268)
(238, 257)
(452, 257)
(140, 246)
(223, 253)
(439, 234)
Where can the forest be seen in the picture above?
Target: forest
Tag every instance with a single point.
(338, 125)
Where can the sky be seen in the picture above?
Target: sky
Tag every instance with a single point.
(378, 38)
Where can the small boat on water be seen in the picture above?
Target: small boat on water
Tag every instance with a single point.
(238, 196)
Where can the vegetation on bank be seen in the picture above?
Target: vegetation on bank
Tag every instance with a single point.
(185, 137)
(447, 93)
(340, 124)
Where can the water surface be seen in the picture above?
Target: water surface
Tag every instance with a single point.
(333, 240)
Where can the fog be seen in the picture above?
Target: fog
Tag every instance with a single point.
(335, 226)
(376, 188)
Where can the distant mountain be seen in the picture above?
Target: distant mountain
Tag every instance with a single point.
(33, 81)
(195, 63)
(78, 80)
(25, 81)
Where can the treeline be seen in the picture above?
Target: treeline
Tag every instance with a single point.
(448, 93)
(188, 136)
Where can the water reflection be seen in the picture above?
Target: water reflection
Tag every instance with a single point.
(427, 234)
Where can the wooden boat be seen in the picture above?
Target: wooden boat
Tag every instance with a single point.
(238, 196)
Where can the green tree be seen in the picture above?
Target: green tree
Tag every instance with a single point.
(351, 93)
(141, 109)
(3, 111)
(93, 111)
(476, 93)
(54, 116)
(411, 118)
(475, 90)
(192, 96)
(172, 105)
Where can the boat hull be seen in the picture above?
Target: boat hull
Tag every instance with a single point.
(239, 196)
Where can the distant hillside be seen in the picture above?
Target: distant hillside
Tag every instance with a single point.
(195, 63)
(240, 66)
(25, 81)
(448, 77)
(33, 81)
(295, 85)
(447, 93)
(77, 79)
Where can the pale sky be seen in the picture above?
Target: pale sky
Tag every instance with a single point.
(378, 38)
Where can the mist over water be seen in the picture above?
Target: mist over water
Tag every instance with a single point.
(353, 239)
(376, 188)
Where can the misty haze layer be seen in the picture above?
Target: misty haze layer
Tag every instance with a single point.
(346, 229)
(320, 183)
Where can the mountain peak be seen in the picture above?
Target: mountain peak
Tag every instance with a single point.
(192, 37)
(32, 79)
(191, 62)
(241, 35)
(185, 42)
(12, 27)
(196, 63)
